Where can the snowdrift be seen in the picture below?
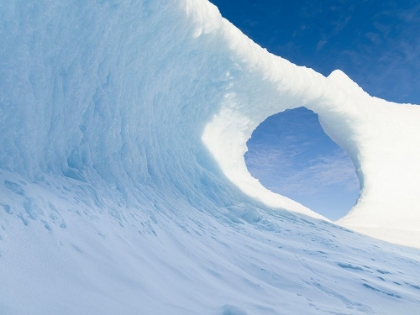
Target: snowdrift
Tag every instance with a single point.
(123, 187)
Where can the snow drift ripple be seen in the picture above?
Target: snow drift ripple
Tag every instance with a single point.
(123, 127)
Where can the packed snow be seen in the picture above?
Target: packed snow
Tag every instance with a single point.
(123, 186)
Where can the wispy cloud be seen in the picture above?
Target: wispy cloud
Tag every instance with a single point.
(290, 154)
(279, 172)
(385, 58)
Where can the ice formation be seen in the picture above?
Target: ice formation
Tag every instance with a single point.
(382, 138)
(123, 188)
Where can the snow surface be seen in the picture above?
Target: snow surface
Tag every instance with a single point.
(123, 187)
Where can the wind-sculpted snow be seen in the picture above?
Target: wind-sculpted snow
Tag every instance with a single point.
(123, 188)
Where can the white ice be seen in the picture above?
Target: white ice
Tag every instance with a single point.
(123, 188)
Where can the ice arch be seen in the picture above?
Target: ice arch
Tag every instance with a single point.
(382, 138)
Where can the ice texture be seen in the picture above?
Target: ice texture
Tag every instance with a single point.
(123, 186)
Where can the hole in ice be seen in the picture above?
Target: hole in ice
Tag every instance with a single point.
(290, 154)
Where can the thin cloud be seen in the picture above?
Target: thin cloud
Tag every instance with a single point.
(385, 61)
(278, 173)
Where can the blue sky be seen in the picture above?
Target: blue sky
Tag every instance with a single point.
(376, 43)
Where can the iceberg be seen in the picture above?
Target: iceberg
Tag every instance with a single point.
(123, 186)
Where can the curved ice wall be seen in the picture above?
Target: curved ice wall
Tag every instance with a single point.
(123, 188)
(135, 120)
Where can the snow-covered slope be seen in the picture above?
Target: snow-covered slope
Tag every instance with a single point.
(122, 183)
